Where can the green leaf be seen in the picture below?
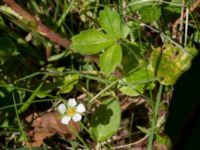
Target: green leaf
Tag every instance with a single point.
(58, 56)
(125, 31)
(197, 37)
(105, 120)
(91, 42)
(132, 90)
(150, 13)
(174, 9)
(137, 4)
(47, 87)
(164, 140)
(144, 130)
(110, 21)
(68, 83)
(65, 85)
(140, 4)
(170, 62)
(111, 58)
(136, 81)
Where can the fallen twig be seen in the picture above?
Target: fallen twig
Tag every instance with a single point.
(40, 27)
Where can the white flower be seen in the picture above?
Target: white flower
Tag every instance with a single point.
(62, 109)
(71, 112)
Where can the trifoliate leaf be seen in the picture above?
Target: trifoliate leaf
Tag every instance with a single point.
(110, 21)
(110, 58)
(91, 42)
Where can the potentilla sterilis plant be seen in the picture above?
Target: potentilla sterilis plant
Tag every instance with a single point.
(71, 112)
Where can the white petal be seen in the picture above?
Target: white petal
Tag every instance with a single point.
(80, 108)
(62, 108)
(71, 102)
(65, 120)
(77, 117)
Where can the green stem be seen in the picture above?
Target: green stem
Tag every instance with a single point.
(19, 123)
(154, 119)
(105, 89)
(73, 130)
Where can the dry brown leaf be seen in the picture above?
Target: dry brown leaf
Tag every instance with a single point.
(47, 125)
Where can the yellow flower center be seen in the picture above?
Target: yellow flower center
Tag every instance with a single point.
(71, 111)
